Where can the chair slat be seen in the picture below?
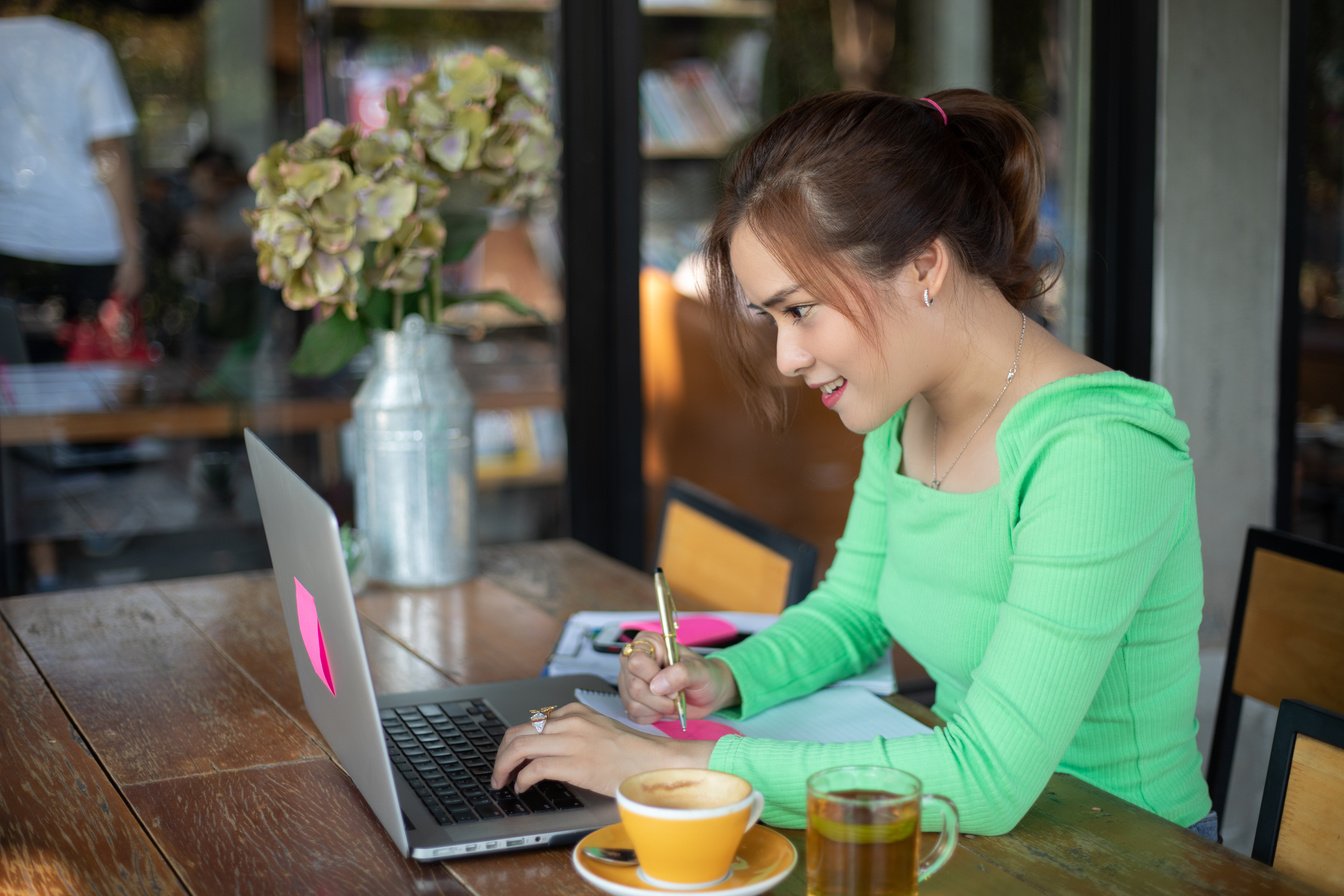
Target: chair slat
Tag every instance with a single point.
(718, 566)
(1311, 832)
(1280, 656)
(727, 559)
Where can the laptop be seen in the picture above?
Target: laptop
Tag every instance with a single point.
(421, 760)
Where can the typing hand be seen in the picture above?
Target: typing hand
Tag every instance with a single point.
(586, 749)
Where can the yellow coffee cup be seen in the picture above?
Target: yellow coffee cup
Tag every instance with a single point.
(686, 823)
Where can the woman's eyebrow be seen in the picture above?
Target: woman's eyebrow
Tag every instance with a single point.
(777, 297)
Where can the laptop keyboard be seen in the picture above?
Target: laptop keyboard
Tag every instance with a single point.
(446, 752)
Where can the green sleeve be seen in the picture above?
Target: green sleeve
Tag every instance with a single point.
(1098, 505)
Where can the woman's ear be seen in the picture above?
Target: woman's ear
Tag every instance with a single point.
(931, 268)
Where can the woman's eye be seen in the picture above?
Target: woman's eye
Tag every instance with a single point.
(799, 312)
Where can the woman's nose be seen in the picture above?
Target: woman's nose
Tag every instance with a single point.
(790, 357)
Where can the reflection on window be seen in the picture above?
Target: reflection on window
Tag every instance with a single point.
(1318, 486)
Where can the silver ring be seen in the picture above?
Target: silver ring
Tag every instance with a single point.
(538, 717)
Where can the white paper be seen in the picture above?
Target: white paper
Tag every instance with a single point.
(830, 716)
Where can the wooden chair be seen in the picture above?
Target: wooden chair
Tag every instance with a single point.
(1302, 812)
(726, 559)
(1287, 638)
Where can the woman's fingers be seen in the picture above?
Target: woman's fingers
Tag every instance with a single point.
(641, 703)
(585, 749)
(522, 743)
(638, 667)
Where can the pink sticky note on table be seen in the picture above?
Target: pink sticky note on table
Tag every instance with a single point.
(311, 630)
(693, 631)
(696, 729)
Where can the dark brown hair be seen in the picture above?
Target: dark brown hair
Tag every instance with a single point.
(846, 188)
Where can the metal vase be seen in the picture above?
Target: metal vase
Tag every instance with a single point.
(415, 472)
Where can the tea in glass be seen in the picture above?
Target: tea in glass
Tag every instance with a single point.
(863, 832)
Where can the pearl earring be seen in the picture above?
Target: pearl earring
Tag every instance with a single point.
(928, 302)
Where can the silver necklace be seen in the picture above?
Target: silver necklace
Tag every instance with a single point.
(937, 482)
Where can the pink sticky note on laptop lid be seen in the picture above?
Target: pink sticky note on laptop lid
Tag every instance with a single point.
(692, 630)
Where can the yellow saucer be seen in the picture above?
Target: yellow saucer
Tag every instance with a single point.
(764, 858)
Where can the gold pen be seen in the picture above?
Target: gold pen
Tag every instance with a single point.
(667, 616)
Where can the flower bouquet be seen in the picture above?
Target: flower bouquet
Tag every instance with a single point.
(359, 225)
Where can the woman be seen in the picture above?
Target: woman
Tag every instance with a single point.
(1024, 518)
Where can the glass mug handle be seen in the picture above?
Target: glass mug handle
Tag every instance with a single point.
(947, 837)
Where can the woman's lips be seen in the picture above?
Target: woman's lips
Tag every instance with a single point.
(829, 399)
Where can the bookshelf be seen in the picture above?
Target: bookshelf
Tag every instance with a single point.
(314, 6)
(738, 9)
(700, 95)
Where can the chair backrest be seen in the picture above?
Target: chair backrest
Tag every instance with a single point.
(1287, 638)
(726, 559)
(1302, 812)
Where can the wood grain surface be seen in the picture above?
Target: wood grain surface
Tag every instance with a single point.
(1291, 633)
(63, 826)
(1309, 846)
(563, 576)
(294, 828)
(151, 695)
(474, 632)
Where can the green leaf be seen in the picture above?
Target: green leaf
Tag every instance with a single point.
(328, 345)
(377, 309)
(465, 230)
(499, 297)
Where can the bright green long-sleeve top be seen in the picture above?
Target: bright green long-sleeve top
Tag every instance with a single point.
(1057, 612)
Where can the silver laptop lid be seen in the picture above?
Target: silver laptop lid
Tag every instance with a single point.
(319, 607)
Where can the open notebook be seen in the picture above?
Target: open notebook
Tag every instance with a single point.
(831, 715)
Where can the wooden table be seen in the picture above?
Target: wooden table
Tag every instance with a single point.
(44, 404)
(153, 739)
(110, 401)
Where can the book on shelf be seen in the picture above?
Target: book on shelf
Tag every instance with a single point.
(518, 441)
(689, 105)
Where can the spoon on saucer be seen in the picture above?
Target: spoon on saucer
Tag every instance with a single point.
(614, 856)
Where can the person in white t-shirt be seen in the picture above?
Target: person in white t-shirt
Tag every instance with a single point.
(68, 224)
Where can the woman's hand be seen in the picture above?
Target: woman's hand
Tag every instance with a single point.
(648, 690)
(586, 749)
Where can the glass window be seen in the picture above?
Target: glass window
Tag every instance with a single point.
(115, 472)
(1317, 483)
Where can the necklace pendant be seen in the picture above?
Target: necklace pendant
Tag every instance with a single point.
(936, 484)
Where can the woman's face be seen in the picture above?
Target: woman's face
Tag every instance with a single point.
(851, 372)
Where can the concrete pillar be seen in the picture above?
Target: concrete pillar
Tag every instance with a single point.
(956, 45)
(1218, 263)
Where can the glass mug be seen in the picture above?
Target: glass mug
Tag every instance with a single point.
(863, 832)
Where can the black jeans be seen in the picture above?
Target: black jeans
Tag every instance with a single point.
(49, 294)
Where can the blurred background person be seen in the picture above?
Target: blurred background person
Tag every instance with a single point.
(69, 232)
(215, 255)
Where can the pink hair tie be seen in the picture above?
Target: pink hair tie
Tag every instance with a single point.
(925, 99)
